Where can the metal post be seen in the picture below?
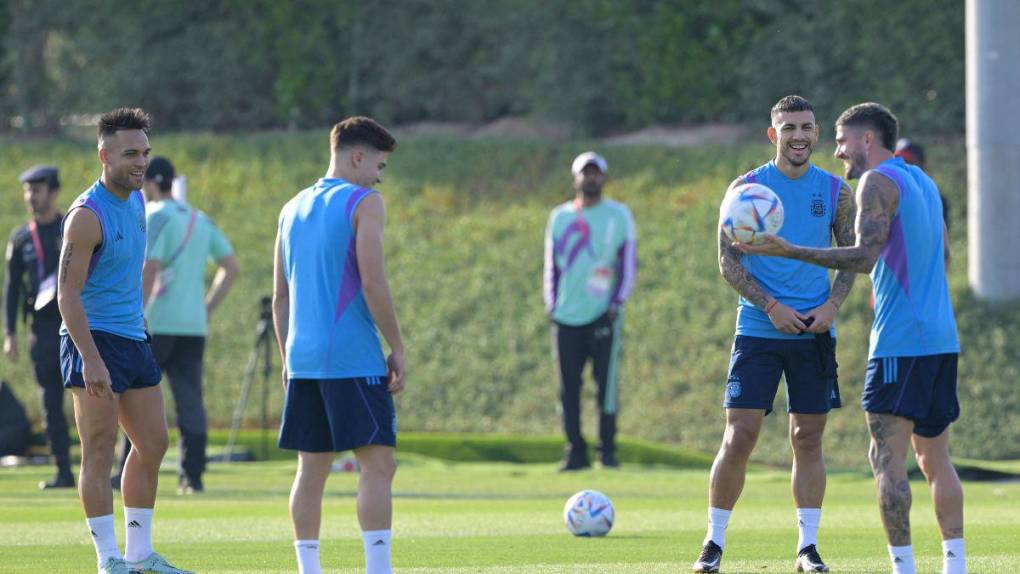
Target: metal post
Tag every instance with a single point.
(993, 150)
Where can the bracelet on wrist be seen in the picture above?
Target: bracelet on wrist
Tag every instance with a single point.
(771, 306)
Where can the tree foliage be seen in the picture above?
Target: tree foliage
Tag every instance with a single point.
(594, 65)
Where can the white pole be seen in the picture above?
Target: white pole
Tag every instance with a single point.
(993, 148)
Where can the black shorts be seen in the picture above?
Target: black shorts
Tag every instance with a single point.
(809, 365)
(130, 362)
(333, 415)
(922, 389)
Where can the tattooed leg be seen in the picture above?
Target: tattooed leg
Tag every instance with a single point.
(890, 438)
(946, 490)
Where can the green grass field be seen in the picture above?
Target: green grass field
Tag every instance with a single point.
(501, 518)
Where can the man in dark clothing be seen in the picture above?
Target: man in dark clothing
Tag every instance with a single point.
(30, 287)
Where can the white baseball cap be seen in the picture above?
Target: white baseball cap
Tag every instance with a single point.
(588, 158)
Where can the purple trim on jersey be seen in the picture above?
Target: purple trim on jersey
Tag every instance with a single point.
(750, 177)
(836, 185)
(352, 201)
(895, 251)
(350, 283)
(578, 226)
(894, 254)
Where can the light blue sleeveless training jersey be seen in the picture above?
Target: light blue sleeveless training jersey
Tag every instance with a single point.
(331, 333)
(112, 295)
(913, 312)
(809, 211)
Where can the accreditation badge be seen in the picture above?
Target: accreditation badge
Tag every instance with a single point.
(600, 281)
(47, 292)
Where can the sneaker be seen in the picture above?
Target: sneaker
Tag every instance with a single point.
(188, 485)
(574, 460)
(808, 560)
(115, 566)
(609, 460)
(711, 557)
(60, 481)
(156, 564)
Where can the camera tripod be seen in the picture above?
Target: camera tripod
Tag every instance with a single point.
(261, 353)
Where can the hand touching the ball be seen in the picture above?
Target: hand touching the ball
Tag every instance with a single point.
(765, 244)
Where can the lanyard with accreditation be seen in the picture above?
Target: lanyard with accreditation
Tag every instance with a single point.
(47, 283)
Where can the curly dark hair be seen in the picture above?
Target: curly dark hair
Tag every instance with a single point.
(873, 116)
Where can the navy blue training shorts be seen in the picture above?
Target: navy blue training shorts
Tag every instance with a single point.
(757, 363)
(332, 415)
(130, 362)
(922, 389)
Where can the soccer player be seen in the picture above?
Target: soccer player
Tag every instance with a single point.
(330, 295)
(105, 357)
(910, 387)
(590, 267)
(32, 253)
(784, 327)
(181, 240)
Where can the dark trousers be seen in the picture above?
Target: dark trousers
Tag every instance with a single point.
(180, 358)
(573, 347)
(44, 350)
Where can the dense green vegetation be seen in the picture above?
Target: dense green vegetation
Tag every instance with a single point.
(459, 518)
(464, 247)
(590, 65)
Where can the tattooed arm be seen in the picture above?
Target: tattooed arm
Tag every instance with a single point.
(843, 230)
(784, 318)
(877, 200)
(82, 234)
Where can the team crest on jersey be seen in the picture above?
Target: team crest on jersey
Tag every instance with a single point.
(817, 205)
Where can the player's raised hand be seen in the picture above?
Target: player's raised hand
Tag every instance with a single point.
(787, 320)
(397, 370)
(765, 244)
(97, 379)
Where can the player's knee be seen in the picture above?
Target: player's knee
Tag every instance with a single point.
(153, 447)
(740, 439)
(806, 439)
(381, 465)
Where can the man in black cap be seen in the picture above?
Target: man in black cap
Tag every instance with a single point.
(30, 287)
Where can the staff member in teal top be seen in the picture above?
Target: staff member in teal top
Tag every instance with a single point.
(181, 241)
(590, 265)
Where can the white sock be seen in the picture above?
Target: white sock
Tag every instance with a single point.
(718, 519)
(138, 530)
(307, 556)
(954, 561)
(377, 551)
(103, 537)
(902, 558)
(808, 520)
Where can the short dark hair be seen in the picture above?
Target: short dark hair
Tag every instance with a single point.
(123, 119)
(359, 130)
(873, 116)
(791, 103)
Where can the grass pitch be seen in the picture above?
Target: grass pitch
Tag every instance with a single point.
(500, 518)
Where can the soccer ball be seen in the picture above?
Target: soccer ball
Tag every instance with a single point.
(748, 211)
(588, 513)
